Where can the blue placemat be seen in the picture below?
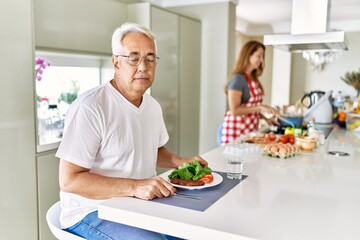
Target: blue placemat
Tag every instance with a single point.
(208, 195)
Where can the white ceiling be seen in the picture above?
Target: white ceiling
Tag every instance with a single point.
(259, 17)
(257, 14)
(265, 11)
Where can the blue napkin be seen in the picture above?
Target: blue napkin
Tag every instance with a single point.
(208, 195)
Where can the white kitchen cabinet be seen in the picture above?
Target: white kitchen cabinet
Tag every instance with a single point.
(48, 189)
(18, 206)
(177, 79)
(166, 86)
(189, 87)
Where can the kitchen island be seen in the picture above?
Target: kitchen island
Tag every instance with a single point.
(309, 196)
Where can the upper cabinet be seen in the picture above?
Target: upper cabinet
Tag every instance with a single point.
(177, 80)
(189, 87)
(61, 25)
(165, 25)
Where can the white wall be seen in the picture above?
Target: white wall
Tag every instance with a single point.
(18, 202)
(280, 94)
(304, 79)
(217, 56)
(84, 26)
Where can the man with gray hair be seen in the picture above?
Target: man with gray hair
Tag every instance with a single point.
(113, 139)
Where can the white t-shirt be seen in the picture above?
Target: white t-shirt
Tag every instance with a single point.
(107, 134)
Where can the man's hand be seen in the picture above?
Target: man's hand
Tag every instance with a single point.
(197, 158)
(168, 159)
(153, 188)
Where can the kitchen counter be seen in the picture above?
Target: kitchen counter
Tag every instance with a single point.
(310, 196)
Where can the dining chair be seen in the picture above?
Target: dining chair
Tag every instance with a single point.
(52, 218)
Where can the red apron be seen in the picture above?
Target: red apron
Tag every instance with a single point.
(234, 126)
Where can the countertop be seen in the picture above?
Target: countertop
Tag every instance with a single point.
(310, 196)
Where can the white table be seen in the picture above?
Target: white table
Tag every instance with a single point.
(309, 196)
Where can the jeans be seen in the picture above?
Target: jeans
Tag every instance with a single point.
(93, 228)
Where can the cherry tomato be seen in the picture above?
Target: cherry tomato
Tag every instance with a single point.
(284, 139)
(207, 178)
(291, 140)
(271, 136)
(289, 136)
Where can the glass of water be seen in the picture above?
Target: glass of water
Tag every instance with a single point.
(235, 155)
(234, 168)
(234, 158)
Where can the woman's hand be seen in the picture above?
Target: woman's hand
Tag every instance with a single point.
(267, 110)
(269, 114)
(272, 121)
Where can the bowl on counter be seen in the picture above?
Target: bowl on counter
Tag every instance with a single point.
(296, 120)
(305, 143)
(353, 122)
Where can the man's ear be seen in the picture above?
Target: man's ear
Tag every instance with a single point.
(115, 61)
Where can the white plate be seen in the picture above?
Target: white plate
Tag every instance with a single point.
(217, 180)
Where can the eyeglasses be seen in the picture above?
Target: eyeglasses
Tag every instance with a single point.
(134, 59)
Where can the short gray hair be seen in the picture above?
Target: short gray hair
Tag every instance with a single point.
(120, 33)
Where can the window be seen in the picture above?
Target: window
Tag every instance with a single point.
(61, 78)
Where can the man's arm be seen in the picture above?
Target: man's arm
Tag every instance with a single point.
(81, 181)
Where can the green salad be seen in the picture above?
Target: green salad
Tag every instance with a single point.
(190, 171)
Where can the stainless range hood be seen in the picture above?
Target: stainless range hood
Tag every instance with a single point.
(309, 29)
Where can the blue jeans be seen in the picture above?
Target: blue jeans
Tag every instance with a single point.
(93, 228)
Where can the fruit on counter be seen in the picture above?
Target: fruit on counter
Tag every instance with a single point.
(289, 131)
(335, 115)
(284, 139)
(270, 136)
(281, 150)
(291, 139)
(298, 132)
(342, 116)
(287, 138)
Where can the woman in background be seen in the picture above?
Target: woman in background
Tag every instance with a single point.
(245, 94)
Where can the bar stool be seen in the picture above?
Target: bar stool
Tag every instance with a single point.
(52, 218)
